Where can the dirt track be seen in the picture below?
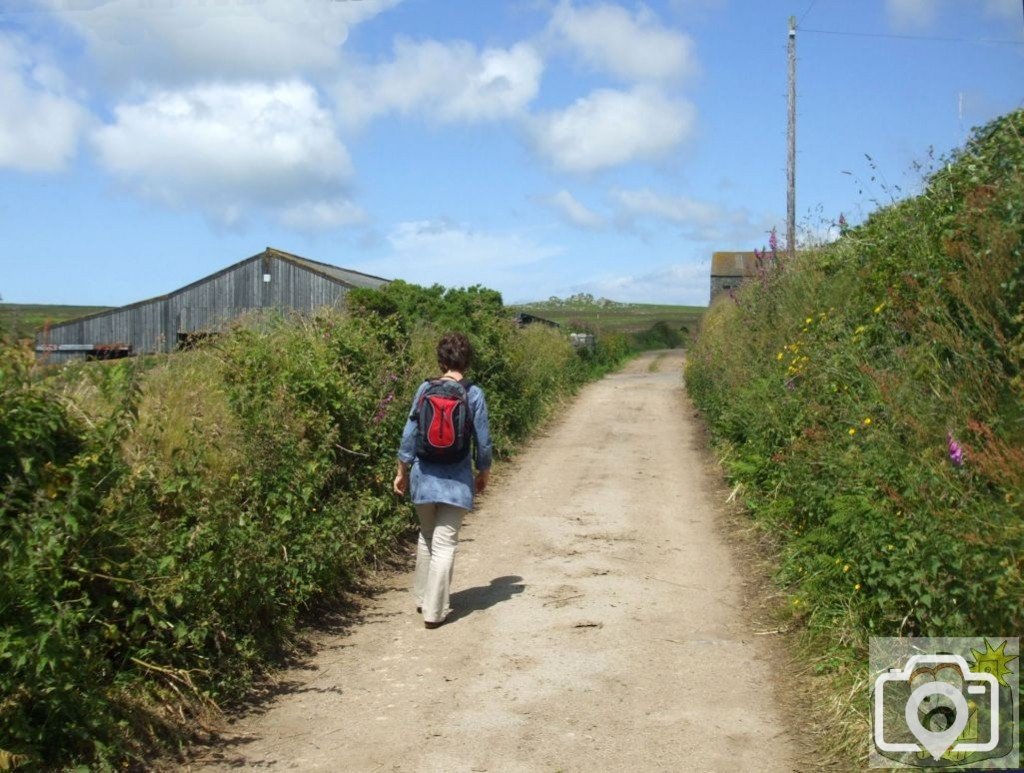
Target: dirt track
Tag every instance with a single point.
(599, 623)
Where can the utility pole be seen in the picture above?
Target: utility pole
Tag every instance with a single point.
(791, 137)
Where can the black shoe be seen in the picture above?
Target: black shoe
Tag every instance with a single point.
(438, 624)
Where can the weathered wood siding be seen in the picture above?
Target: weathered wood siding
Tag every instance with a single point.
(154, 325)
(293, 287)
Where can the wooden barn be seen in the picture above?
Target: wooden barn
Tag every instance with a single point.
(271, 279)
(729, 270)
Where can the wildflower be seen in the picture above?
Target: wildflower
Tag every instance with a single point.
(843, 225)
(796, 602)
(778, 356)
(857, 586)
(879, 307)
(860, 329)
(852, 431)
(382, 408)
(809, 320)
(956, 451)
(867, 422)
(773, 241)
(846, 568)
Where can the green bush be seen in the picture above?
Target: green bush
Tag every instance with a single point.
(165, 524)
(660, 335)
(839, 390)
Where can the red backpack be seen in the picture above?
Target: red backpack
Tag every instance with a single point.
(445, 423)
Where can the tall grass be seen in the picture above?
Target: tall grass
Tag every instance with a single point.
(869, 401)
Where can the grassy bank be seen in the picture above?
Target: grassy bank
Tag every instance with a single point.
(165, 524)
(869, 402)
(22, 320)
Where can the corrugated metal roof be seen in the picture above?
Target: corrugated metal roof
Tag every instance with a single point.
(343, 275)
(733, 264)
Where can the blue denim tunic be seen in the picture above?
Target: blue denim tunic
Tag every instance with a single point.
(450, 484)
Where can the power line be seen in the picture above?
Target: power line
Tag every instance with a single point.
(809, 9)
(916, 37)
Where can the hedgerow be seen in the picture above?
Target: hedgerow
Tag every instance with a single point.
(165, 524)
(869, 400)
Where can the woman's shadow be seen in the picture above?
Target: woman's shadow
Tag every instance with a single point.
(466, 602)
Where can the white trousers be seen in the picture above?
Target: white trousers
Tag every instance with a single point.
(435, 558)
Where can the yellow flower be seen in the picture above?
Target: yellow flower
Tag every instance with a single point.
(860, 329)
(846, 568)
(796, 602)
(879, 307)
(867, 422)
(778, 356)
(857, 586)
(852, 431)
(809, 320)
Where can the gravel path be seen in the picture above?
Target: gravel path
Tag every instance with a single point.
(600, 623)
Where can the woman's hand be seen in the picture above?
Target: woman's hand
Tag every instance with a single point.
(401, 484)
(481, 480)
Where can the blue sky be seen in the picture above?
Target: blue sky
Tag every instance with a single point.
(539, 147)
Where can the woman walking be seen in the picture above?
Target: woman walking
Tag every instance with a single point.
(435, 461)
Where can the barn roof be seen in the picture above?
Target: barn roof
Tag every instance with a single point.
(733, 264)
(343, 276)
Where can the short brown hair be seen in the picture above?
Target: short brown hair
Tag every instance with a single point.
(454, 352)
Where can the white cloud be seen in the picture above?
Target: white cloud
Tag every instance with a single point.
(40, 123)
(227, 148)
(1004, 9)
(608, 128)
(447, 82)
(908, 15)
(177, 41)
(630, 46)
(911, 14)
(700, 220)
(454, 254)
(685, 284)
(442, 243)
(574, 212)
(321, 215)
(817, 235)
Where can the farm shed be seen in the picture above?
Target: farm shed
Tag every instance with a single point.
(271, 279)
(523, 319)
(729, 270)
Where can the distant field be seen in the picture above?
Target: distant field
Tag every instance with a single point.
(24, 319)
(624, 318)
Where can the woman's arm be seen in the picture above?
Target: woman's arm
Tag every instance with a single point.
(407, 448)
(401, 484)
(482, 431)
